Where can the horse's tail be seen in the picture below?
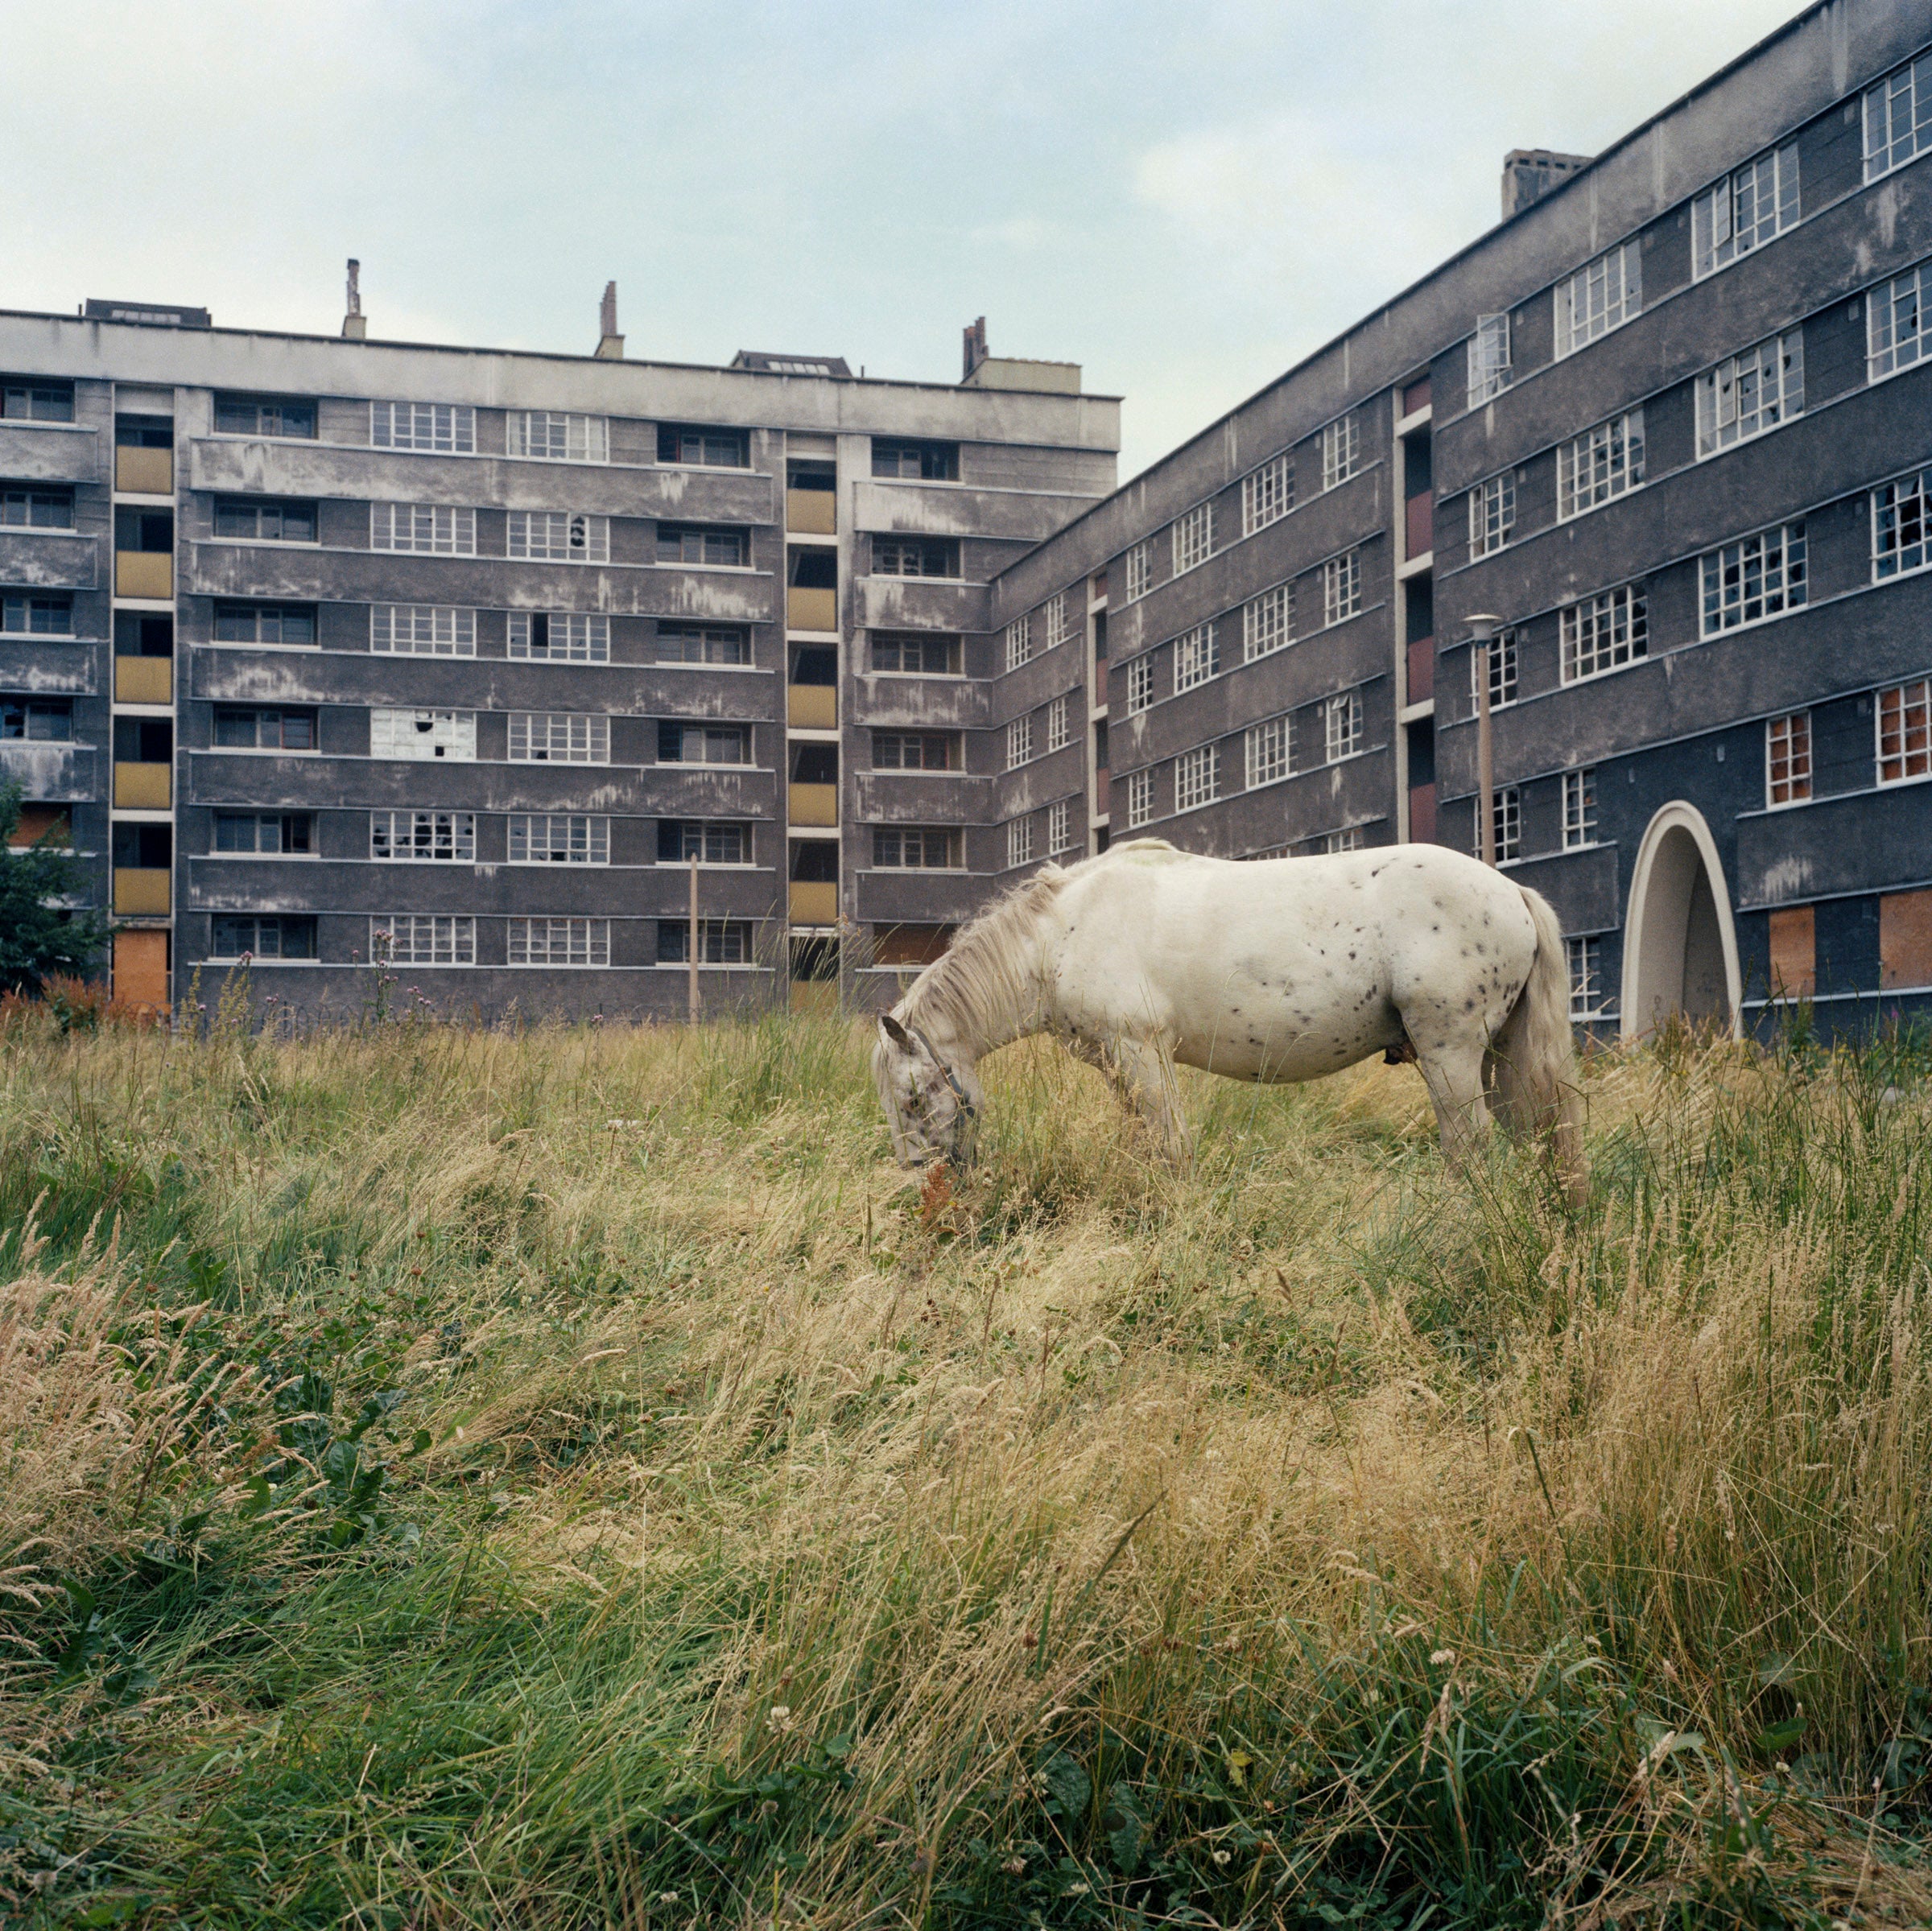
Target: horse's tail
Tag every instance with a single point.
(1533, 1058)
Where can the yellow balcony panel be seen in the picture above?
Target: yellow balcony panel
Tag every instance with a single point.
(143, 787)
(812, 512)
(812, 707)
(813, 805)
(144, 573)
(145, 472)
(818, 997)
(144, 680)
(815, 902)
(140, 894)
(811, 609)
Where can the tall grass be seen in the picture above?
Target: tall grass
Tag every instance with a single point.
(571, 1479)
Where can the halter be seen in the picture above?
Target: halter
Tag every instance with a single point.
(952, 1078)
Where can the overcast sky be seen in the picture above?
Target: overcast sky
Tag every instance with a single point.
(1184, 198)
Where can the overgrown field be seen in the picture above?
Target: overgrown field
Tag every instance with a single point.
(571, 1479)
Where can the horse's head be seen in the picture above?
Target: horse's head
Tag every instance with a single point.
(931, 1108)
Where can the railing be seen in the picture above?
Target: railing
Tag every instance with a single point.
(1420, 533)
(141, 891)
(815, 901)
(145, 472)
(813, 805)
(149, 573)
(809, 609)
(143, 787)
(144, 680)
(812, 707)
(1421, 669)
(1422, 815)
(812, 512)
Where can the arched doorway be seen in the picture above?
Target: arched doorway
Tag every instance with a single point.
(1680, 948)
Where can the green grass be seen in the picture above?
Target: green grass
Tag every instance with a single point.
(571, 1479)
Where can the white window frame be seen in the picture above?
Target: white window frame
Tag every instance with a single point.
(1898, 332)
(1053, 615)
(1503, 659)
(1602, 295)
(559, 737)
(1605, 462)
(1342, 587)
(1583, 956)
(1197, 658)
(1788, 761)
(420, 735)
(557, 435)
(1197, 777)
(575, 636)
(422, 630)
(1723, 420)
(1489, 370)
(1508, 826)
(1492, 514)
(437, 428)
(1019, 742)
(1341, 726)
(1348, 839)
(427, 938)
(1268, 622)
(1019, 642)
(557, 536)
(1898, 117)
(1901, 508)
(1269, 749)
(1060, 732)
(1620, 616)
(1914, 699)
(524, 837)
(1019, 841)
(422, 528)
(1729, 221)
(1140, 799)
(1138, 569)
(558, 942)
(1140, 684)
(1193, 536)
(1580, 808)
(1751, 580)
(1267, 493)
(1341, 452)
(455, 830)
(1059, 827)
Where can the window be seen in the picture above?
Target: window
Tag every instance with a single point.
(1488, 359)
(1268, 622)
(1788, 759)
(679, 742)
(264, 415)
(1267, 493)
(24, 399)
(1193, 538)
(1603, 632)
(1759, 577)
(28, 614)
(424, 734)
(720, 942)
(1059, 735)
(1347, 840)
(1898, 525)
(1197, 657)
(707, 449)
(1341, 452)
(559, 942)
(1492, 514)
(1019, 642)
(915, 751)
(422, 528)
(1509, 824)
(1019, 841)
(1342, 725)
(566, 637)
(710, 841)
(1744, 211)
(274, 834)
(1502, 670)
(1904, 732)
(558, 737)
(1270, 751)
(1059, 828)
(411, 938)
(1197, 777)
(264, 520)
(557, 536)
(916, 462)
(1586, 961)
(263, 728)
(1019, 742)
(550, 435)
(1597, 298)
(538, 838)
(1751, 393)
(264, 937)
(1898, 117)
(1342, 587)
(1140, 684)
(923, 656)
(1140, 799)
(1896, 333)
(440, 428)
(1139, 570)
(1579, 809)
(1055, 617)
(41, 720)
(449, 836)
(22, 508)
(905, 848)
(703, 644)
(422, 630)
(915, 556)
(1601, 464)
(265, 623)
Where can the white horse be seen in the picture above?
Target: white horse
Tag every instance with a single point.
(1279, 971)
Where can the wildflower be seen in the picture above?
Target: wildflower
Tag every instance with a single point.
(1014, 1867)
(779, 1720)
(1442, 1656)
(1221, 1857)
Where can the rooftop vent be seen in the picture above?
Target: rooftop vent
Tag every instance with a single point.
(761, 364)
(355, 324)
(610, 344)
(165, 314)
(1530, 173)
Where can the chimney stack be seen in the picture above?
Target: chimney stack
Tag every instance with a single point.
(355, 326)
(1530, 173)
(975, 348)
(610, 344)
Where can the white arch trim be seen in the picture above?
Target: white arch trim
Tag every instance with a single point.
(1677, 815)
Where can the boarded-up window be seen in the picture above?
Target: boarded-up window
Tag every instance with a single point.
(140, 970)
(1793, 953)
(910, 945)
(1905, 939)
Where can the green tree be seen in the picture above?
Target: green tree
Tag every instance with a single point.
(37, 938)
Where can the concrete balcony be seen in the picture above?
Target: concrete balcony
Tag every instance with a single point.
(144, 787)
(49, 774)
(147, 573)
(920, 603)
(815, 902)
(812, 512)
(808, 609)
(812, 707)
(48, 452)
(144, 471)
(813, 805)
(141, 893)
(47, 560)
(947, 509)
(144, 680)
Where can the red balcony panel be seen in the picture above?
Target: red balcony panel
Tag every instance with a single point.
(1416, 396)
(1421, 669)
(1421, 534)
(1422, 815)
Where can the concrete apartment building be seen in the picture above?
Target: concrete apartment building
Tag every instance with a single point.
(1669, 425)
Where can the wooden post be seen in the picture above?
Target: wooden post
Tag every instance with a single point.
(1482, 632)
(691, 945)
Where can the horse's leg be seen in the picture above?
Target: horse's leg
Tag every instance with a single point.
(1143, 1076)
(1452, 1069)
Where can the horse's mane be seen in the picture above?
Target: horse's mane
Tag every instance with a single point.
(982, 982)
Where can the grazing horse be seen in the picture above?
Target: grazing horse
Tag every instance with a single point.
(1279, 971)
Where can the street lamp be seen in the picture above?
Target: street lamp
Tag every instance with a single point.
(1482, 633)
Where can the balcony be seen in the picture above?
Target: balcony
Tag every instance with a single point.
(1421, 669)
(144, 473)
(811, 706)
(140, 892)
(1422, 815)
(807, 609)
(143, 787)
(813, 805)
(1419, 531)
(812, 512)
(144, 680)
(149, 573)
(814, 902)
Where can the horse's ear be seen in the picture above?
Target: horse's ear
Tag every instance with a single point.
(896, 1033)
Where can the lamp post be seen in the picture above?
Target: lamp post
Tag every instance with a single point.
(1482, 634)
